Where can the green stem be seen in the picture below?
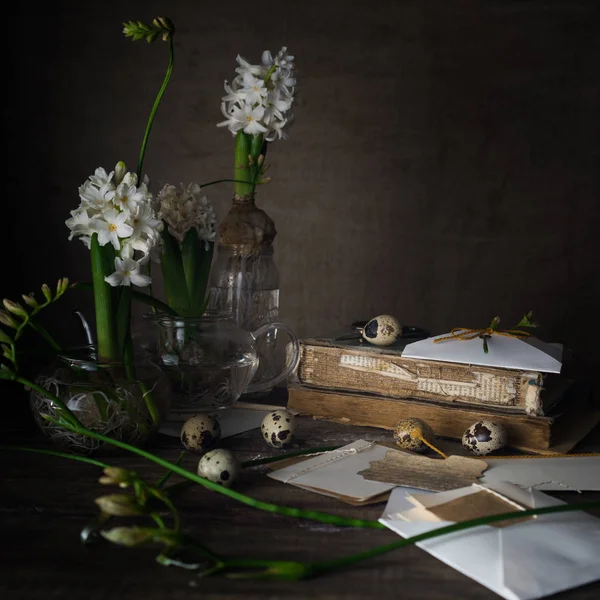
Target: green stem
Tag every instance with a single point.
(45, 334)
(66, 414)
(241, 168)
(157, 101)
(329, 565)
(215, 487)
(106, 330)
(203, 185)
(83, 459)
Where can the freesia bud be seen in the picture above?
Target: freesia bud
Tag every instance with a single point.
(119, 505)
(5, 339)
(46, 291)
(250, 159)
(15, 308)
(117, 476)
(7, 320)
(261, 159)
(30, 300)
(265, 180)
(129, 536)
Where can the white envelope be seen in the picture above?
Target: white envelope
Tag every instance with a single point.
(524, 561)
(527, 354)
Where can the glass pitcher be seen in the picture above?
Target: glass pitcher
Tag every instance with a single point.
(210, 361)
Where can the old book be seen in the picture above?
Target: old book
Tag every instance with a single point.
(573, 417)
(348, 365)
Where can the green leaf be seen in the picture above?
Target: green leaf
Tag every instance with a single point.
(123, 318)
(196, 260)
(174, 274)
(527, 321)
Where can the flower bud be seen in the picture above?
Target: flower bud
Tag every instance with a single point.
(129, 536)
(47, 292)
(120, 170)
(119, 505)
(117, 476)
(7, 320)
(261, 159)
(30, 300)
(4, 338)
(15, 308)
(265, 180)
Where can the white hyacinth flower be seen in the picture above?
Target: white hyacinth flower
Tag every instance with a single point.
(112, 226)
(127, 272)
(259, 99)
(120, 212)
(187, 208)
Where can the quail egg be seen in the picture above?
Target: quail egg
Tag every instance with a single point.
(200, 433)
(278, 428)
(408, 432)
(219, 466)
(382, 330)
(485, 437)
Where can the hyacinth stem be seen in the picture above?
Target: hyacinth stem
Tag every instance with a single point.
(106, 326)
(241, 169)
(157, 101)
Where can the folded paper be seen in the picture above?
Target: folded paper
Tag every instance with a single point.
(524, 354)
(529, 560)
(336, 473)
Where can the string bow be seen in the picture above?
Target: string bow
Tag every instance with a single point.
(465, 333)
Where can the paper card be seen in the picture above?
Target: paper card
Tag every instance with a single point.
(528, 354)
(232, 421)
(564, 473)
(425, 473)
(482, 503)
(336, 473)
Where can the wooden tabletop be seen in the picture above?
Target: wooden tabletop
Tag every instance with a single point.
(46, 501)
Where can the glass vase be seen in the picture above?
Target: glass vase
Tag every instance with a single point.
(210, 361)
(125, 402)
(244, 282)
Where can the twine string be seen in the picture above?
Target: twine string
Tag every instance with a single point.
(415, 434)
(465, 333)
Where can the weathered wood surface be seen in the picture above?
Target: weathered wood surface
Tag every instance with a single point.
(46, 501)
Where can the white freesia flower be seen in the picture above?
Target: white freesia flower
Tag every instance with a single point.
(185, 209)
(120, 212)
(260, 98)
(127, 272)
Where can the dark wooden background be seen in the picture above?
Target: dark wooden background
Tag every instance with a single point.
(443, 166)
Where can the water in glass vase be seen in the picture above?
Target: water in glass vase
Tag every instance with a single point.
(198, 388)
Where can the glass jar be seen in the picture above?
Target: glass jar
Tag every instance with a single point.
(210, 361)
(124, 402)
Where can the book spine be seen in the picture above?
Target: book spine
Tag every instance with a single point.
(525, 432)
(389, 375)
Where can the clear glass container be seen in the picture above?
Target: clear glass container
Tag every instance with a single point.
(210, 361)
(246, 286)
(109, 398)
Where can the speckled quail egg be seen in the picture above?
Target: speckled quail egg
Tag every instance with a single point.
(278, 428)
(408, 431)
(382, 330)
(200, 433)
(219, 466)
(485, 437)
